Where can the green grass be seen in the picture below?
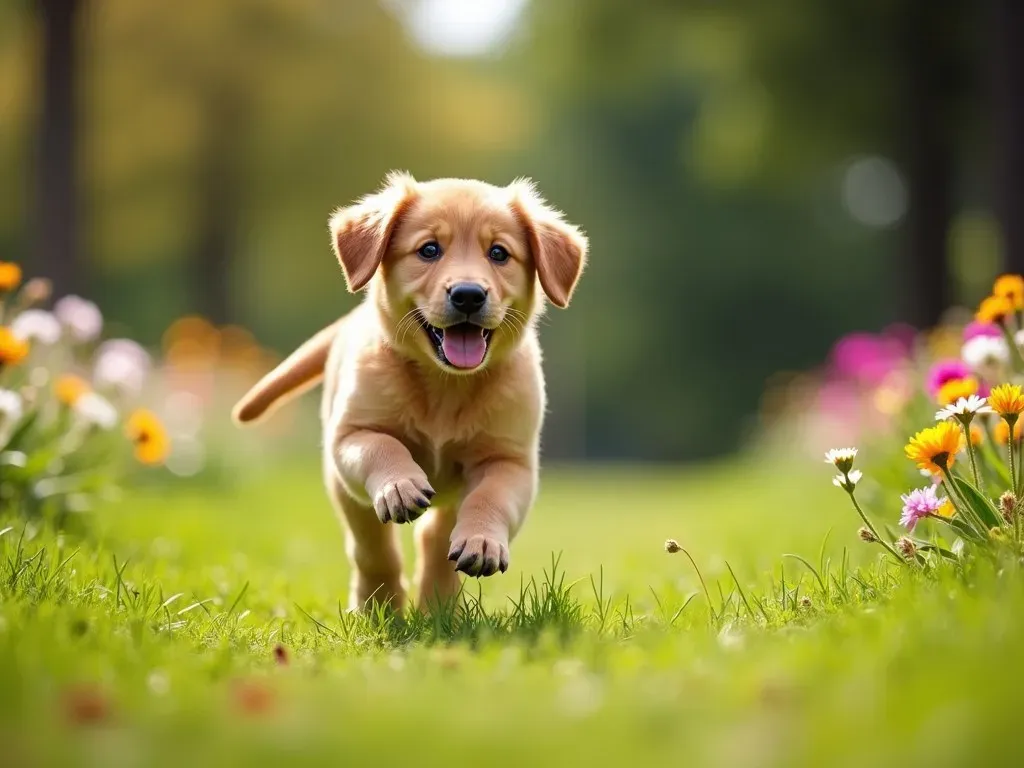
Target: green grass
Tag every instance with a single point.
(153, 641)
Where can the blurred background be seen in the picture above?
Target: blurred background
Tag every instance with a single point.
(757, 179)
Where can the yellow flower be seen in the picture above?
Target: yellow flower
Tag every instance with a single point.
(1011, 288)
(1007, 400)
(954, 389)
(935, 448)
(147, 432)
(946, 509)
(69, 388)
(1002, 432)
(977, 435)
(10, 276)
(12, 349)
(994, 309)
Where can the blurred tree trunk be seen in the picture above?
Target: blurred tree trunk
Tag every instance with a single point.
(929, 153)
(219, 197)
(1008, 126)
(55, 217)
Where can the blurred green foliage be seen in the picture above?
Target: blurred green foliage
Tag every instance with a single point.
(701, 145)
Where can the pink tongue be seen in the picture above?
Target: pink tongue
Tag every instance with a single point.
(464, 346)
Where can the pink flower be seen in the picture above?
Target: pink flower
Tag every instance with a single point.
(866, 358)
(944, 372)
(975, 329)
(919, 504)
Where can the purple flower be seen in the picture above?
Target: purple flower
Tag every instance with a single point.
(944, 372)
(867, 358)
(975, 329)
(919, 504)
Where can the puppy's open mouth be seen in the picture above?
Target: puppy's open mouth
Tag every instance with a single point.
(463, 345)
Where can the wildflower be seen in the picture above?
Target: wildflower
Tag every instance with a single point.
(974, 329)
(946, 509)
(97, 410)
(1011, 288)
(70, 388)
(36, 291)
(986, 354)
(147, 432)
(957, 388)
(12, 348)
(1001, 434)
(964, 410)
(1007, 505)
(919, 504)
(977, 435)
(841, 458)
(806, 603)
(11, 406)
(82, 318)
(121, 364)
(10, 276)
(944, 372)
(935, 448)
(37, 325)
(672, 546)
(866, 535)
(1007, 400)
(848, 481)
(906, 547)
(994, 309)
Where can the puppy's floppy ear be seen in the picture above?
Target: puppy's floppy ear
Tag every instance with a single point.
(559, 248)
(361, 232)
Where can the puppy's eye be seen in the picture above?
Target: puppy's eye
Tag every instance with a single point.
(498, 254)
(430, 251)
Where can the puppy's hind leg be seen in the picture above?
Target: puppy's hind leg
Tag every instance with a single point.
(373, 552)
(435, 574)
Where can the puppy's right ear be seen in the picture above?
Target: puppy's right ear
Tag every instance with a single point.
(361, 232)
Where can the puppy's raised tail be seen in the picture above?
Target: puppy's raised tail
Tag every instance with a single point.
(301, 371)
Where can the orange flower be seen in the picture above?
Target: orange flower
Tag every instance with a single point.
(146, 431)
(954, 389)
(12, 349)
(1011, 288)
(10, 276)
(977, 435)
(1007, 400)
(69, 388)
(935, 449)
(1002, 432)
(994, 309)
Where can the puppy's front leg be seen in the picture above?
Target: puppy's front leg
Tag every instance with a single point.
(383, 468)
(500, 493)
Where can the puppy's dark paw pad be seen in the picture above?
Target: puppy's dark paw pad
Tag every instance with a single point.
(478, 555)
(402, 501)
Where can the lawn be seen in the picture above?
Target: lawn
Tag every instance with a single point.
(201, 625)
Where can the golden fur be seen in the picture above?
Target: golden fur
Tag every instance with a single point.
(404, 430)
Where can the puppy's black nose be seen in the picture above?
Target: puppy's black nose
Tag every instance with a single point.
(467, 297)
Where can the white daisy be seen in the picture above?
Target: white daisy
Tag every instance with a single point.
(37, 325)
(11, 406)
(82, 318)
(848, 481)
(123, 364)
(841, 458)
(986, 354)
(97, 410)
(964, 409)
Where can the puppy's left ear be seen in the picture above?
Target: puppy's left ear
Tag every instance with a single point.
(362, 232)
(559, 248)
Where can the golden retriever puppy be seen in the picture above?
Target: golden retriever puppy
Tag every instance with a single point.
(433, 390)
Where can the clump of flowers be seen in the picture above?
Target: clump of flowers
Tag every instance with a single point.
(70, 418)
(972, 453)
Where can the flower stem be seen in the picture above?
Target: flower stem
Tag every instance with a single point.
(889, 548)
(1015, 355)
(970, 452)
(964, 508)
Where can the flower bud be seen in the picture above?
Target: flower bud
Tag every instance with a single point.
(866, 535)
(672, 546)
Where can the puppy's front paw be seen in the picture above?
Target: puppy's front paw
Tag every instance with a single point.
(478, 554)
(402, 500)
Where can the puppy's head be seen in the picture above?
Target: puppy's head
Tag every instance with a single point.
(453, 264)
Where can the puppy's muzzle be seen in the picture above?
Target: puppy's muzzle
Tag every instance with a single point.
(467, 298)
